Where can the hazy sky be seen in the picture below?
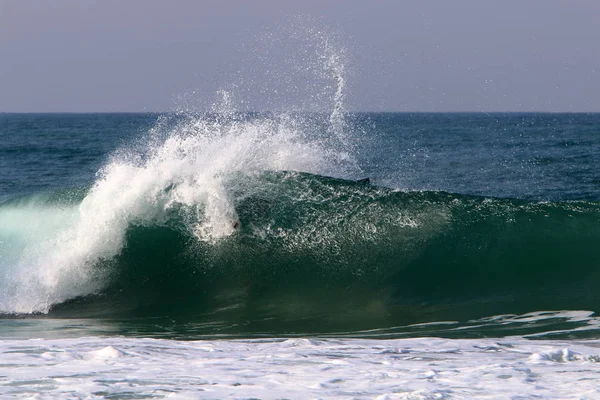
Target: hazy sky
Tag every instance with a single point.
(149, 55)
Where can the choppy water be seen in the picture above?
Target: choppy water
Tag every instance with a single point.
(300, 368)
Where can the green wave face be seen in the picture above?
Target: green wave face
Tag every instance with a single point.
(317, 254)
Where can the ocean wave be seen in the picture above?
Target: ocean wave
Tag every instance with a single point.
(314, 253)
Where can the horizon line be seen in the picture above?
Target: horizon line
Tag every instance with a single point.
(305, 112)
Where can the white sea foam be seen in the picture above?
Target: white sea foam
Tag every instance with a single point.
(425, 368)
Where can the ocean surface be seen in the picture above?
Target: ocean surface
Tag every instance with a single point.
(300, 255)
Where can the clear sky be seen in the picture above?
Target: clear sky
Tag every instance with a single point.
(150, 55)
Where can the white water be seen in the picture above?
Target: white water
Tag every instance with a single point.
(188, 171)
(425, 368)
(55, 255)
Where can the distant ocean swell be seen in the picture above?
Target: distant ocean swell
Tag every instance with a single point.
(312, 253)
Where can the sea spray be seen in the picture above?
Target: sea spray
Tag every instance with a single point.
(184, 169)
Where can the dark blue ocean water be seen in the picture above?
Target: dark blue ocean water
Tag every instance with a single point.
(50, 151)
(529, 156)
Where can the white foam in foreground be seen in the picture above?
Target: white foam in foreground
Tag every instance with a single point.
(300, 368)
